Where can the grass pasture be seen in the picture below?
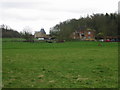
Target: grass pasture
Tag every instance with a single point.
(60, 65)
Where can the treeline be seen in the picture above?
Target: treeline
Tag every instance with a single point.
(103, 24)
(8, 32)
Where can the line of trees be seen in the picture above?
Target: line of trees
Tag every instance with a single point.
(103, 24)
(8, 32)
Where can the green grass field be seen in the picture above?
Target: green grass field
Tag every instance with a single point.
(60, 65)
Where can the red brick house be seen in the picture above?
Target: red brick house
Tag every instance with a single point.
(84, 34)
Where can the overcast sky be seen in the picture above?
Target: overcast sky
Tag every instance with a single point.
(45, 14)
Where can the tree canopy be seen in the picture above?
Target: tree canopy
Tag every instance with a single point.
(103, 24)
(8, 32)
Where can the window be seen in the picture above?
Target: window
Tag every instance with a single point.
(82, 34)
(89, 32)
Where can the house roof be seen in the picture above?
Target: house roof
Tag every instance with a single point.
(42, 31)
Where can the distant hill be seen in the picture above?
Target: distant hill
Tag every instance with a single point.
(7, 32)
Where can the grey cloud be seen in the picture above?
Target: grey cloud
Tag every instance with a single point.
(21, 5)
(70, 10)
(14, 16)
(14, 5)
(41, 6)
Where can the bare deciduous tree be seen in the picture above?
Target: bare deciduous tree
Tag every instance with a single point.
(27, 34)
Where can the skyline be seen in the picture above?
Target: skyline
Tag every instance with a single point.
(38, 14)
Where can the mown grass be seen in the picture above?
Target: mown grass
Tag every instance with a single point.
(60, 65)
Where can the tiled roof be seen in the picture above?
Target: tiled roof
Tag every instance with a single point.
(42, 31)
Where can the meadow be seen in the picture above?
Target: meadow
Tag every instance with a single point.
(76, 64)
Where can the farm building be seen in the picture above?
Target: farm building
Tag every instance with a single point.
(84, 34)
(41, 34)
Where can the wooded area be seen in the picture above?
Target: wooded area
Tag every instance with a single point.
(104, 25)
(8, 32)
